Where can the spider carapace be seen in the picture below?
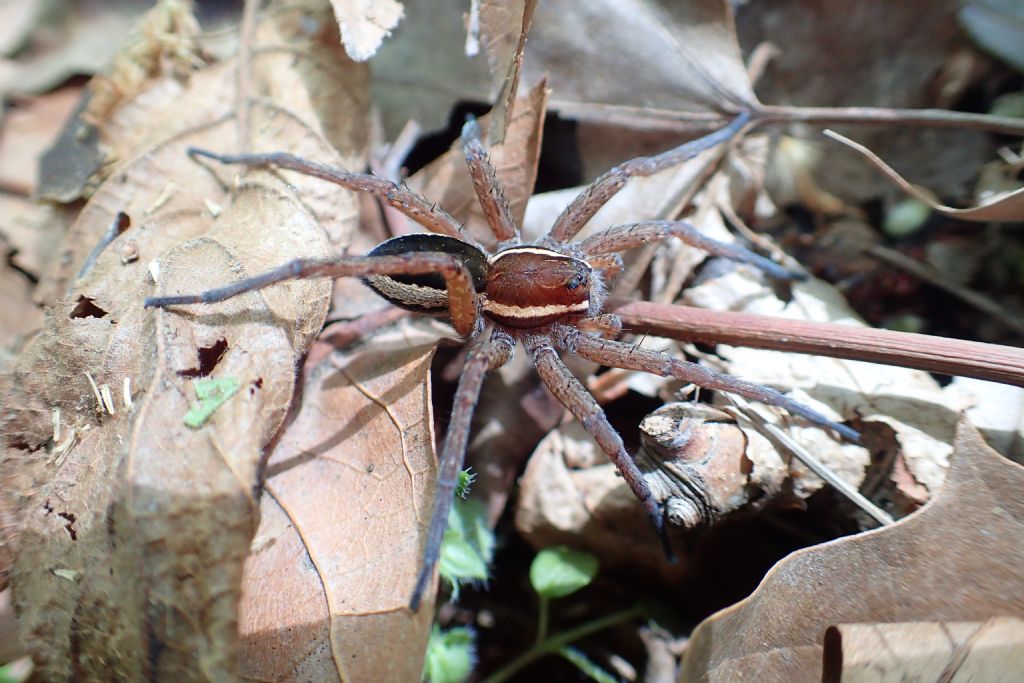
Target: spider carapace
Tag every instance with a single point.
(547, 296)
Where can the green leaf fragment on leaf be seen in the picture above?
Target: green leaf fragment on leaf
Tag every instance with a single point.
(451, 655)
(557, 572)
(212, 393)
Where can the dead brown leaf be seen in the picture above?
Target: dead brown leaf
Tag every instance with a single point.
(345, 507)
(130, 528)
(956, 559)
(503, 27)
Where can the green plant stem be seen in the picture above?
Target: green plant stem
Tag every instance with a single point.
(553, 644)
(542, 622)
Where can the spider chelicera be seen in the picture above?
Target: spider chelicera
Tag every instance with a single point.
(547, 296)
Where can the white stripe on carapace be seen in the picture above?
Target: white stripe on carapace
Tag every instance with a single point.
(410, 294)
(540, 251)
(524, 312)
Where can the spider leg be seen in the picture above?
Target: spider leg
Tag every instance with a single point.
(416, 207)
(574, 396)
(597, 194)
(485, 182)
(616, 354)
(488, 352)
(623, 237)
(462, 302)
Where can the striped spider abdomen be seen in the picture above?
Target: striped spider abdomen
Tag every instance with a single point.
(425, 293)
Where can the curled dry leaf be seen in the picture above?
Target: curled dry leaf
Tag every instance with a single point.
(344, 509)
(1006, 206)
(956, 559)
(131, 528)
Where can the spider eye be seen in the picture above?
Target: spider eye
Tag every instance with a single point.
(576, 281)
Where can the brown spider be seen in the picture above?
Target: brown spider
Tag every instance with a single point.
(546, 296)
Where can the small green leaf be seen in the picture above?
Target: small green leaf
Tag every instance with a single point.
(466, 479)
(468, 545)
(905, 217)
(561, 571)
(451, 655)
(212, 393)
(584, 664)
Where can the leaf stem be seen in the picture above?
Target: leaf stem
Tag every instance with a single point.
(542, 621)
(553, 644)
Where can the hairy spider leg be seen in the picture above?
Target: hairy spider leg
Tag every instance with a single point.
(623, 237)
(462, 301)
(416, 207)
(594, 196)
(485, 182)
(616, 354)
(574, 396)
(488, 352)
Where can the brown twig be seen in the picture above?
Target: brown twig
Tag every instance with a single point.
(694, 122)
(991, 362)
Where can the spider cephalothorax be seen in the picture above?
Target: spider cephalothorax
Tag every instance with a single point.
(545, 296)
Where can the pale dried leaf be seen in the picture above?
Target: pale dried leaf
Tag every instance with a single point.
(954, 560)
(365, 24)
(345, 507)
(640, 53)
(1007, 206)
(957, 652)
(155, 518)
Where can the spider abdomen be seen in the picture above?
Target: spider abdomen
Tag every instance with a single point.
(531, 286)
(425, 293)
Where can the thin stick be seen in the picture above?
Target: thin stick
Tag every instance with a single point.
(992, 362)
(813, 464)
(933, 277)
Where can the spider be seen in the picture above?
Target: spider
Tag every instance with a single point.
(546, 296)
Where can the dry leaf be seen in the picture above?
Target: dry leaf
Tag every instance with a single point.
(1006, 206)
(605, 57)
(365, 24)
(878, 55)
(131, 530)
(344, 511)
(956, 559)
(957, 652)
(503, 27)
(28, 129)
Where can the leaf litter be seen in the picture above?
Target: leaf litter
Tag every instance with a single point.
(347, 472)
